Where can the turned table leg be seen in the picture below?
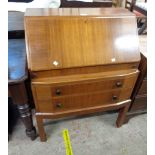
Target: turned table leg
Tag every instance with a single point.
(26, 117)
(19, 96)
(41, 129)
(122, 114)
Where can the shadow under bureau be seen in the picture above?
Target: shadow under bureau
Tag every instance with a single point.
(81, 61)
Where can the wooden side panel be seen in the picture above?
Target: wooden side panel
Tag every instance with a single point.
(143, 88)
(65, 42)
(140, 103)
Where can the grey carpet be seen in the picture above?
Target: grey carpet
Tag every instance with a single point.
(93, 135)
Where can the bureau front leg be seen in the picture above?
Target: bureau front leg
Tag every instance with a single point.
(41, 130)
(122, 114)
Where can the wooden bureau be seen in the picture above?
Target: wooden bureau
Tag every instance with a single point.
(81, 61)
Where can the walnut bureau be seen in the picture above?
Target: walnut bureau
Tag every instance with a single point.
(81, 61)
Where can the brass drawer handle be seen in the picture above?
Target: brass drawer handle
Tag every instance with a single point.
(59, 105)
(118, 84)
(58, 92)
(114, 98)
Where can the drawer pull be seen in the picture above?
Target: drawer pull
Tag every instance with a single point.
(114, 97)
(118, 84)
(58, 92)
(59, 105)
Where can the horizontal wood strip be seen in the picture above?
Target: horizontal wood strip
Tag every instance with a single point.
(84, 77)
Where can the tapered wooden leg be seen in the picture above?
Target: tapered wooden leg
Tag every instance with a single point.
(122, 115)
(41, 129)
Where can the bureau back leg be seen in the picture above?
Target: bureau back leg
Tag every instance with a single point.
(41, 130)
(122, 115)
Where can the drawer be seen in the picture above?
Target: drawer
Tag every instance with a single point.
(46, 92)
(143, 88)
(92, 87)
(67, 103)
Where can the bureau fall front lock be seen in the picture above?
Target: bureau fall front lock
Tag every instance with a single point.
(81, 64)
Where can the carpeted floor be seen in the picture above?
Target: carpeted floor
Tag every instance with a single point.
(93, 135)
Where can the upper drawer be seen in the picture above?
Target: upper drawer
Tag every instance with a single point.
(47, 91)
(102, 85)
(55, 42)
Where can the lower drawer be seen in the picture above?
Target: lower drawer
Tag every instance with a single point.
(74, 102)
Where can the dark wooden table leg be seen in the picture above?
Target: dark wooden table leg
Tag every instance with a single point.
(19, 96)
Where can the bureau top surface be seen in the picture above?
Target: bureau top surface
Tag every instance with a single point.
(56, 42)
(103, 12)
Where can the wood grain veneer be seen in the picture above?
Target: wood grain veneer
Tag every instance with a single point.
(81, 61)
(75, 41)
